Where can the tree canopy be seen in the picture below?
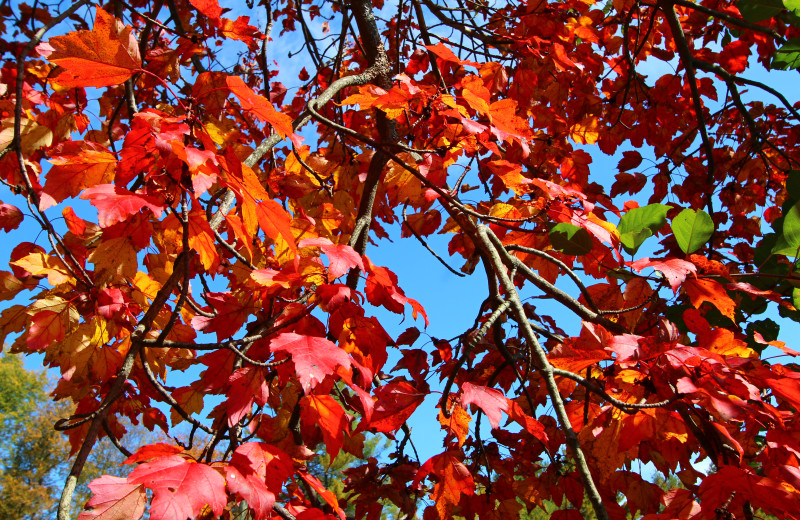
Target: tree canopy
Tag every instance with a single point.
(210, 186)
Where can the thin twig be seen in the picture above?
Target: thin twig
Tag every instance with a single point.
(430, 250)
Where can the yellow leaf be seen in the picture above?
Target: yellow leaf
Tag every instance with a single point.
(116, 257)
(585, 132)
(41, 264)
(33, 135)
(190, 399)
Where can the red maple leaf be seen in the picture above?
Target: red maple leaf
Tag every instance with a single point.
(314, 358)
(248, 385)
(382, 290)
(106, 55)
(490, 400)
(114, 498)
(256, 473)
(115, 204)
(674, 270)
(341, 258)
(181, 488)
(10, 217)
(394, 404)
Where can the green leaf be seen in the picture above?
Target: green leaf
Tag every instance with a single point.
(759, 10)
(633, 239)
(782, 247)
(692, 229)
(621, 274)
(792, 5)
(788, 56)
(788, 241)
(640, 223)
(571, 240)
(796, 297)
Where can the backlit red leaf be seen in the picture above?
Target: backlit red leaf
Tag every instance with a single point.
(114, 498)
(327, 413)
(153, 451)
(341, 258)
(326, 494)
(106, 55)
(674, 270)
(490, 400)
(181, 488)
(10, 217)
(314, 358)
(394, 405)
(115, 204)
(256, 473)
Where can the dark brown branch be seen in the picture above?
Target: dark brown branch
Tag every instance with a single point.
(114, 441)
(168, 397)
(488, 241)
(426, 37)
(730, 19)
(668, 8)
(629, 408)
(387, 130)
(492, 40)
(556, 293)
(569, 272)
(471, 343)
(224, 243)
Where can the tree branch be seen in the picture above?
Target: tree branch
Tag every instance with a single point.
(484, 235)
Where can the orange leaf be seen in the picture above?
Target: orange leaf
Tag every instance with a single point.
(39, 264)
(326, 494)
(457, 424)
(325, 412)
(266, 213)
(454, 480)
(702, 290)
(260, 107)
(78, 165)
(201, 239)
(209, 8)
(107, 55)
(585, 132)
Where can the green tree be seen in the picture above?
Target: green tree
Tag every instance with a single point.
(333, 473)
(34, 456)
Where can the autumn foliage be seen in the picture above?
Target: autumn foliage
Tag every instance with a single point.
(203, 264)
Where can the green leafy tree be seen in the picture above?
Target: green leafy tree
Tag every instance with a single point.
(34, 456)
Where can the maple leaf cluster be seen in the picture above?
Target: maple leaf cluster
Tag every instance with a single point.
(216, 222)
